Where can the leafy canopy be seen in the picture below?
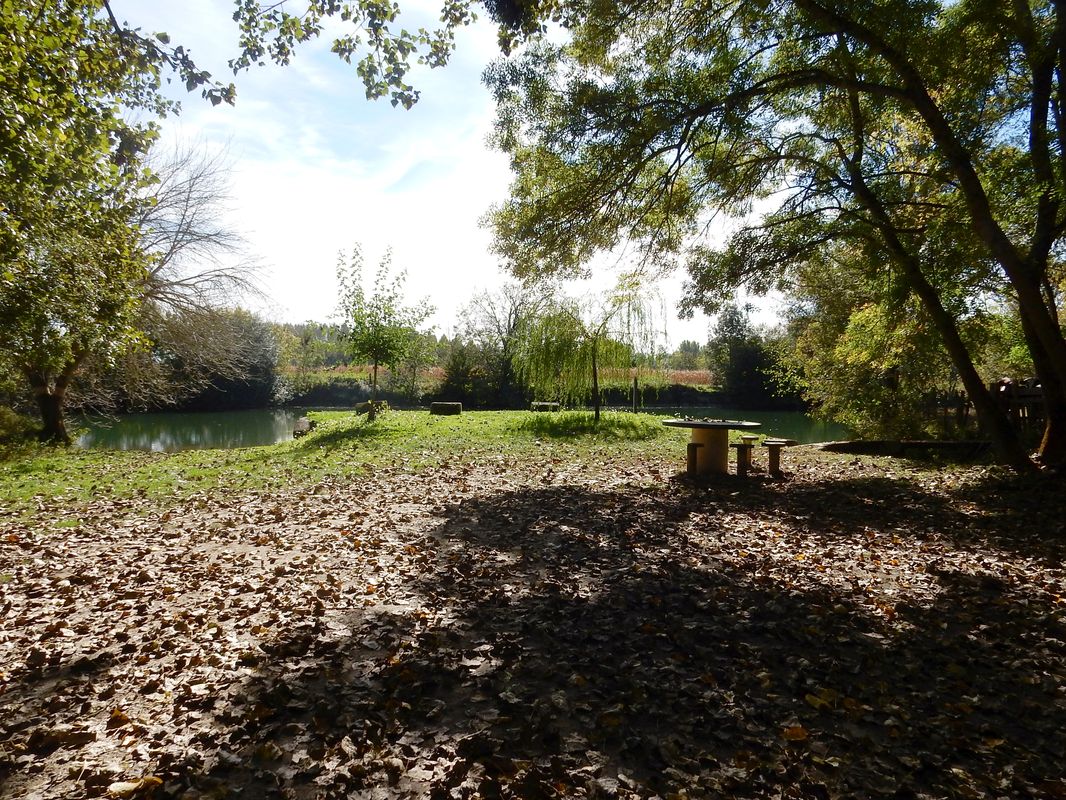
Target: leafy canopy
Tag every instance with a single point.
(380, 328)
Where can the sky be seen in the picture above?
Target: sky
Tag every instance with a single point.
(317, 168)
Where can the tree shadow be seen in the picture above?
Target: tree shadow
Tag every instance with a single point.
(566, 641)
(568, 424)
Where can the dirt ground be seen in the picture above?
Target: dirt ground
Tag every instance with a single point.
(538, 629)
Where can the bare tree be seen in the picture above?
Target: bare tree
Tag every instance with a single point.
(199, 261)
(198, 269)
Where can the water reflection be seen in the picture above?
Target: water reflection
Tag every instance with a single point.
(168, 432)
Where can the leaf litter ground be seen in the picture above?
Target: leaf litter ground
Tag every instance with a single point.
(530, 628)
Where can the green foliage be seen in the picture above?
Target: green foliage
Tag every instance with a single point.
(306, 349)
(927, 133)
(14, 426)
(742, 360)
(688, 356)
(71, 262)
(868, 358)
(466, 379)
(384, 53)
(492, 326)
(409, 379)
(561, 352)
(1005, 353)
(877, 375)
(380, 328)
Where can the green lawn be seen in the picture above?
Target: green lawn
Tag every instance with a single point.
(342, 446)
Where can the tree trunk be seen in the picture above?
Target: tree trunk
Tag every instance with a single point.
(51, 394)
(372, 412)
(1053, 443)
(50, 398)
(54, 430)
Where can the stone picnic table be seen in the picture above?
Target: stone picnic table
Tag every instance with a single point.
(713, 436)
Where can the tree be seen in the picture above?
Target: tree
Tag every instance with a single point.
(69, 184)
(181, 339)
(865, 354)
(466, 379)
(561, 352)
(381, 329)
(687, 356)
(421, 354)
(196, 273)
(384, 53)
(249, 378)
(740, 360)
(70, 294)
(901, 122)
(492, 325)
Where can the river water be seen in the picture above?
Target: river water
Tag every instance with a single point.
(168, 432)
(228, 429)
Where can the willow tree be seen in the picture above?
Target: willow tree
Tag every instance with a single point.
(562, 352)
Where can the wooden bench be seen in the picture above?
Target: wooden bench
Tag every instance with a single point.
(544, 406)
(774, 448)
(445, 409)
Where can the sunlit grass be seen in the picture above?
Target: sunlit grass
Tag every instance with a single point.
(343, 445)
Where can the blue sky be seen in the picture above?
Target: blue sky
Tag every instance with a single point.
(317, 167)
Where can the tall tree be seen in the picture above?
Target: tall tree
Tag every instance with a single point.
(739, 359)
(69, 295)
(197, 275)
(865, 353)
(892, 117)
(493, 322)
(381, 329)
(70, 259)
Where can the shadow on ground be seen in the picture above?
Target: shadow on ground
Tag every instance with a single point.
(563, 641)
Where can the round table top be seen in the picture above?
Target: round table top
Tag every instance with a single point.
(711, 423)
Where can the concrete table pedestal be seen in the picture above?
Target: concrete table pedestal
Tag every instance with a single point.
(712, 436)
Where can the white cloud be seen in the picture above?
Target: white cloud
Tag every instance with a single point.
(316, 167)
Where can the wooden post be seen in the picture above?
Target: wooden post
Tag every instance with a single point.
(774, 466)
(750, 439)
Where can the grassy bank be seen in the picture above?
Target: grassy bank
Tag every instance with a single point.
(343, 446)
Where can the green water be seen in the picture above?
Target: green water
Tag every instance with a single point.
(229, 429)
(167, 432)
(785, 424)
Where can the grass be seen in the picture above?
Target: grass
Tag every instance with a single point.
(342, 446)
